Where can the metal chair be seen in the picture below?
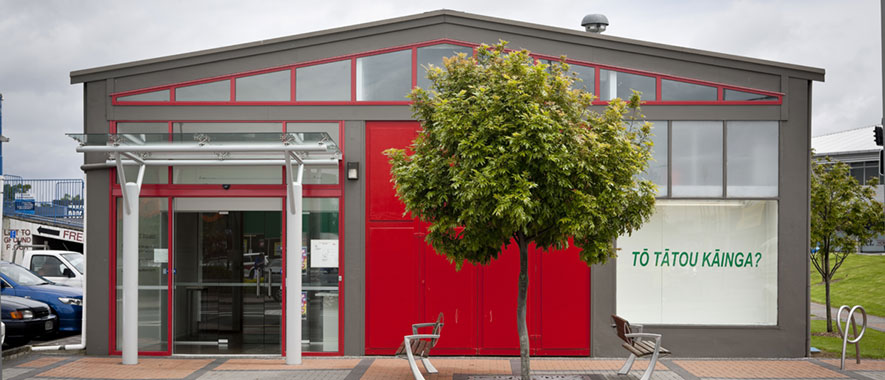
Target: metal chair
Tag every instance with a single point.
(637, 347)
(420, 345)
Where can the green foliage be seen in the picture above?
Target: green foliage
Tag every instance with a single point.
(11, 190)
(861, 281)
(843, 214)
(509, 149)
(67, 197)
(872, 345)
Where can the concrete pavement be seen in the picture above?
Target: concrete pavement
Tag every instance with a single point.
(40, 366)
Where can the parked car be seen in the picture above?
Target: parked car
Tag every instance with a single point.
(65, 301)
(60, 267)
(25, 319)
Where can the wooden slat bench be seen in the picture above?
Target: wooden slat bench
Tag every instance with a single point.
(419, 345)
(637, 347)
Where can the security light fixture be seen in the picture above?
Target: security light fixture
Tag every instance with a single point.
(595, 23)
(353, 170)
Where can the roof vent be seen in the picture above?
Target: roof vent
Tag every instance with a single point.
(595, 23)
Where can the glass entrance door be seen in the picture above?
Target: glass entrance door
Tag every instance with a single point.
(226, 280)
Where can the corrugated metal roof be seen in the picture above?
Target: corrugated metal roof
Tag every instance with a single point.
(851, 141)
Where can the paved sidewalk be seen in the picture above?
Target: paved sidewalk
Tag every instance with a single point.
(819, 311)
(46, 367)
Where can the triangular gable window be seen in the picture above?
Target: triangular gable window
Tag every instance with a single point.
(735, 95)
(206, 92)
(153, 96)
(385, 77)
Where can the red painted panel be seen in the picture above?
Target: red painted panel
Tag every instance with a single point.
(392, 267)
(564, 302)
(454, 294)
(498, 334)
(382, 203)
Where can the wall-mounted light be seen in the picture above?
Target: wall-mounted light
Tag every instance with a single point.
(353, 170)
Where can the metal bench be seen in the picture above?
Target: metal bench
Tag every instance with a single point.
(420, 345)
(637, 347)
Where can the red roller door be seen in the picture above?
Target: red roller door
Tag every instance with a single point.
(406, 282)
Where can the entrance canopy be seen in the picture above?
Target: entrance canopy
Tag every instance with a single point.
(211, 149)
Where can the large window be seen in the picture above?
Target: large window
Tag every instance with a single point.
(206, 92)
(320, 249)
(152, 174)
(268, 87)
(325, 82)
(701, 263)
(433, 55)
(182, 174)
(657, 167)
(384, 76)
(864, 171)
(697, 158)
(752, 160)
(154, 96)
(587, 76)
(318, 174)
(683, 91)
(153, 270)
(615, 84)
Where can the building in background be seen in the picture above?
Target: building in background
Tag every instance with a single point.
(857, 148)
(724, 260)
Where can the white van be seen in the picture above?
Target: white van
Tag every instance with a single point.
(60, 267)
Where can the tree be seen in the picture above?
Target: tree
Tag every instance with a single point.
(11, 190)
(510, 153)
(843, 213)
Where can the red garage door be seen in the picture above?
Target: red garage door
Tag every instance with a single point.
(406, 282)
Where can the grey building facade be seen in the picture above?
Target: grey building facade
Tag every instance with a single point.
(734, 134)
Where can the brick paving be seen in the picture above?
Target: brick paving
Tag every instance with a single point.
(41, 366)
(41, 362)
(757, 369)
(112, 368)
(280, 364)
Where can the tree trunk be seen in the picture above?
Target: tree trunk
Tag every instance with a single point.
(827, 285)
(522, 327)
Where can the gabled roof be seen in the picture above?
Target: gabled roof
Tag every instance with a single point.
(424, 19)
(858, 140)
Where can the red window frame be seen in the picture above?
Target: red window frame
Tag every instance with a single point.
(171, 191)
(720, 87)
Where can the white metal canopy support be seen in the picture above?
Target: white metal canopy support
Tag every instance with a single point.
(131, 191)
(295, 152)
(293, 260)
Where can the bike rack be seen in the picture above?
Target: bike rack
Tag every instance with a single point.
(844, 333)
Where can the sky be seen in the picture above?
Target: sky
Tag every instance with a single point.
(41, 42)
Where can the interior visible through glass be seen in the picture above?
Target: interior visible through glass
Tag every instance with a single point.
(153, 271)
(227, 284)
(320, 298)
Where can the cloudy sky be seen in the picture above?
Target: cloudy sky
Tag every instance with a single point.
(41, 42)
